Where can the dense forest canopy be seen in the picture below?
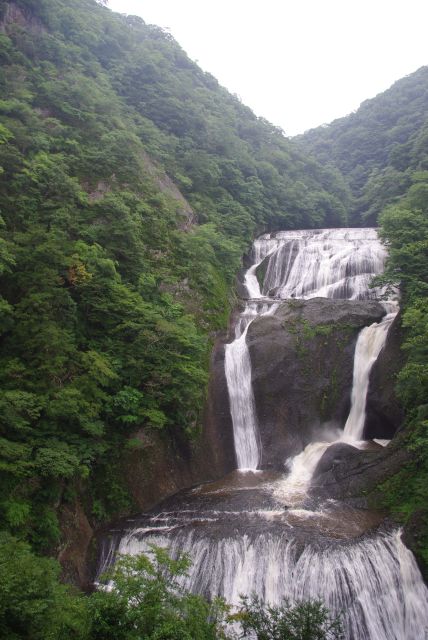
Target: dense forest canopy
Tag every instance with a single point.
(378, 147)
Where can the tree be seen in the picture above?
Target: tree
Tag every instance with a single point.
(33, 604)
(305, 620)
(148, 601)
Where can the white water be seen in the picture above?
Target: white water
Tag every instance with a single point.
(293, 489)
(238, 376)
(328, 263)
(370, 343)
(241, 398)
(333, 263)
(375, 583)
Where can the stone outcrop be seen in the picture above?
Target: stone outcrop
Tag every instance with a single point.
(165, 464)
(355, 475)
(302, 363)
(75, 551)
(336, 454)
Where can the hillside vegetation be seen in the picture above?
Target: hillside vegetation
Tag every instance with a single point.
(404, 227)
(378, 147)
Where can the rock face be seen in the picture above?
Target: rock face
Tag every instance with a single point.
(74, 554)
(302, 364)
(166, 465)
(335, 455)
(354, 475)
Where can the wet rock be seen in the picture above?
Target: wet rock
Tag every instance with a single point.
(336, 454)
(240, 287)
(74, 552)
(414, 540)
(356, 477)
(261, 271)
(302, 364)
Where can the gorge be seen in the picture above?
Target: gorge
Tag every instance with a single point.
(270, 527)
(186, 327)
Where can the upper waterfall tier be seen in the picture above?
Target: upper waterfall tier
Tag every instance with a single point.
(329, 263)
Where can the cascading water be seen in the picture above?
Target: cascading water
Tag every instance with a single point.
(369, 344)
(328, 263)
(237, 366)
(375, 582)
(241, 398)
(238, 376)
(257, 531)
(332, 263)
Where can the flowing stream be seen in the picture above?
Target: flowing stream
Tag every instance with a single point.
(259, 531)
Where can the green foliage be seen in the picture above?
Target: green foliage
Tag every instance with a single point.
(148, 601)
(378, 147)
(405, 229)
(110, 292)
(308, 620)
(32, 602)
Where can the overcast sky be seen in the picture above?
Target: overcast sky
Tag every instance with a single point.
(298, 63)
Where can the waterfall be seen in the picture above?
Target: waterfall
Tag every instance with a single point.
(238, 371)
(241, 398)
(370, 343)
(238, 377)
(332, 263)
(258, 532)
(329, 263)
(374, 582)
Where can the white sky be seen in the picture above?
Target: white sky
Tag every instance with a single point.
(297, 63)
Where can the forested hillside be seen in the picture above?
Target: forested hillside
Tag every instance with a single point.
(378, 147)
(113, 281)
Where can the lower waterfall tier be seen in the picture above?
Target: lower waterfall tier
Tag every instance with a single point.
(242, 538)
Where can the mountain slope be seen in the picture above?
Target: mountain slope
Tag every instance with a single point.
(379, 146)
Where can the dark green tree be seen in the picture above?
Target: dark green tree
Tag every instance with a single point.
(306, 620)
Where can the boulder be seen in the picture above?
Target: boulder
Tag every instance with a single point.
(354, 476)
(336, 454)
(302, 365)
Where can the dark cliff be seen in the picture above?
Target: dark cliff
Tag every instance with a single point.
(302, 359)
